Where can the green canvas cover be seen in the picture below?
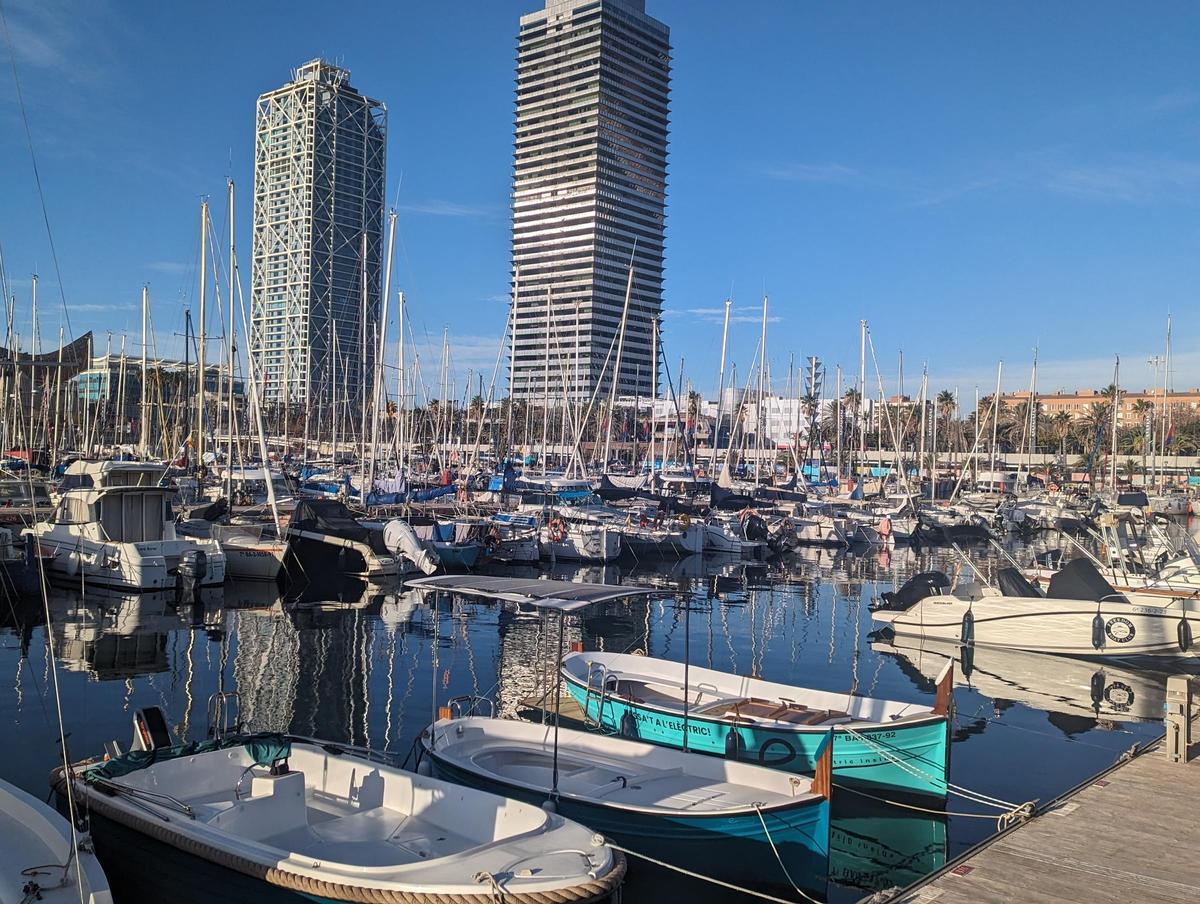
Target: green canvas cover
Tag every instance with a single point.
(264, 747)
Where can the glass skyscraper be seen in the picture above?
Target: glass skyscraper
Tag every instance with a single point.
(589, 196)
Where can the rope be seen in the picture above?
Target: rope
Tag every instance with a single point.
(775, 850)
(1018, 814)
(694, 875)
(957, 790)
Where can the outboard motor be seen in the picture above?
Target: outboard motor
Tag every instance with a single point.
(915, 589)
(401, 540)
(150, 729)
(193, 566)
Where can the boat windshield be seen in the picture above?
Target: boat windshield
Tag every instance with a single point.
(17, 492)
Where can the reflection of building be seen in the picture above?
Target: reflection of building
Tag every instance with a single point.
(266, 669)
(589, 192)
(319, 162)
(305, 672)
(525, 664)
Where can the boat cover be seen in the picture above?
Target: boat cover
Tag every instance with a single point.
(265, 747)
(1013, 583)
(1079, 580)
(329, 516)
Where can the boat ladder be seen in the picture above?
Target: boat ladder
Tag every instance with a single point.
(224, 714)
(599, 684)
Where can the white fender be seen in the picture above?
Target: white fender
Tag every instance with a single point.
(72, 563)
(402, 540)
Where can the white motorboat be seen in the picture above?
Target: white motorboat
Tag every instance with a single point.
(329, 823)
(115, 527)
(252, 551)
(1080, 614)
(583, 541)
(40, 860)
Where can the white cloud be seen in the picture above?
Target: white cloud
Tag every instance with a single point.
(811, 172)
(439, 207)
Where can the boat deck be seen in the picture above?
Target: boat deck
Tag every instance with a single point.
(591, 776)
(1129, 836)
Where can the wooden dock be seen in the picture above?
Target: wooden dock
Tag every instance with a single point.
(1131, 835)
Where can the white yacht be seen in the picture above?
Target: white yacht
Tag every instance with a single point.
(114, 527)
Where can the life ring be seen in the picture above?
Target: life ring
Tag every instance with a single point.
(885, 527)
(685, 520)
(786, 526)
(763, 753)
(558, 530)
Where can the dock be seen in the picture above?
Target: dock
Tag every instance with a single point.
(1129, 834)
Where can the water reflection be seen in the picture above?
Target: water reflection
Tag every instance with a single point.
(370, 664)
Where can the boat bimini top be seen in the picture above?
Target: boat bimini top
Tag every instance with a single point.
(566, 596)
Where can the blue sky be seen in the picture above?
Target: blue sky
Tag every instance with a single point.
(973, 178)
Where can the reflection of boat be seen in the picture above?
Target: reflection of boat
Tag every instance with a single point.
(114, 635)
(34, 839)
(880, 743)
(322, 822)
(696, 812)
(874, 845)
(1056, 684)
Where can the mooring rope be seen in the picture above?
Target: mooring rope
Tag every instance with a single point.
(959, 791)
(694, 875)
(775, 850)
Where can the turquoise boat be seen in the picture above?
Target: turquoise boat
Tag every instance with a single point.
(882, 745)
(736, 822)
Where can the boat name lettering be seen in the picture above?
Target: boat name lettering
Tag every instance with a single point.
(671, 724)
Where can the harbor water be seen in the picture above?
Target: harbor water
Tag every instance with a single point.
(369, 665)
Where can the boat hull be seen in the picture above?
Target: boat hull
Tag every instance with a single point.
(731, 848)
(1062, 626)
(909, 757)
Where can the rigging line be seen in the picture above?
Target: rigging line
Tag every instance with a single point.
(37, 176)
(68, 778)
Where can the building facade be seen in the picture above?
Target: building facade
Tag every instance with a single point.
(1078, 404)
(589, 196)
(319, 160)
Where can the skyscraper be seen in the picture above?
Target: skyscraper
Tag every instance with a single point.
(319, 157)
(589, 195)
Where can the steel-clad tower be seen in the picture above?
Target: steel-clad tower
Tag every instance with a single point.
(319, 158)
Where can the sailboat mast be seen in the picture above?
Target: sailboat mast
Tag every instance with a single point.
(721, 383)
(231, 350)
(377, 377)
(615, 385)
(200, 343)
(144, 408)
(1116, 410)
